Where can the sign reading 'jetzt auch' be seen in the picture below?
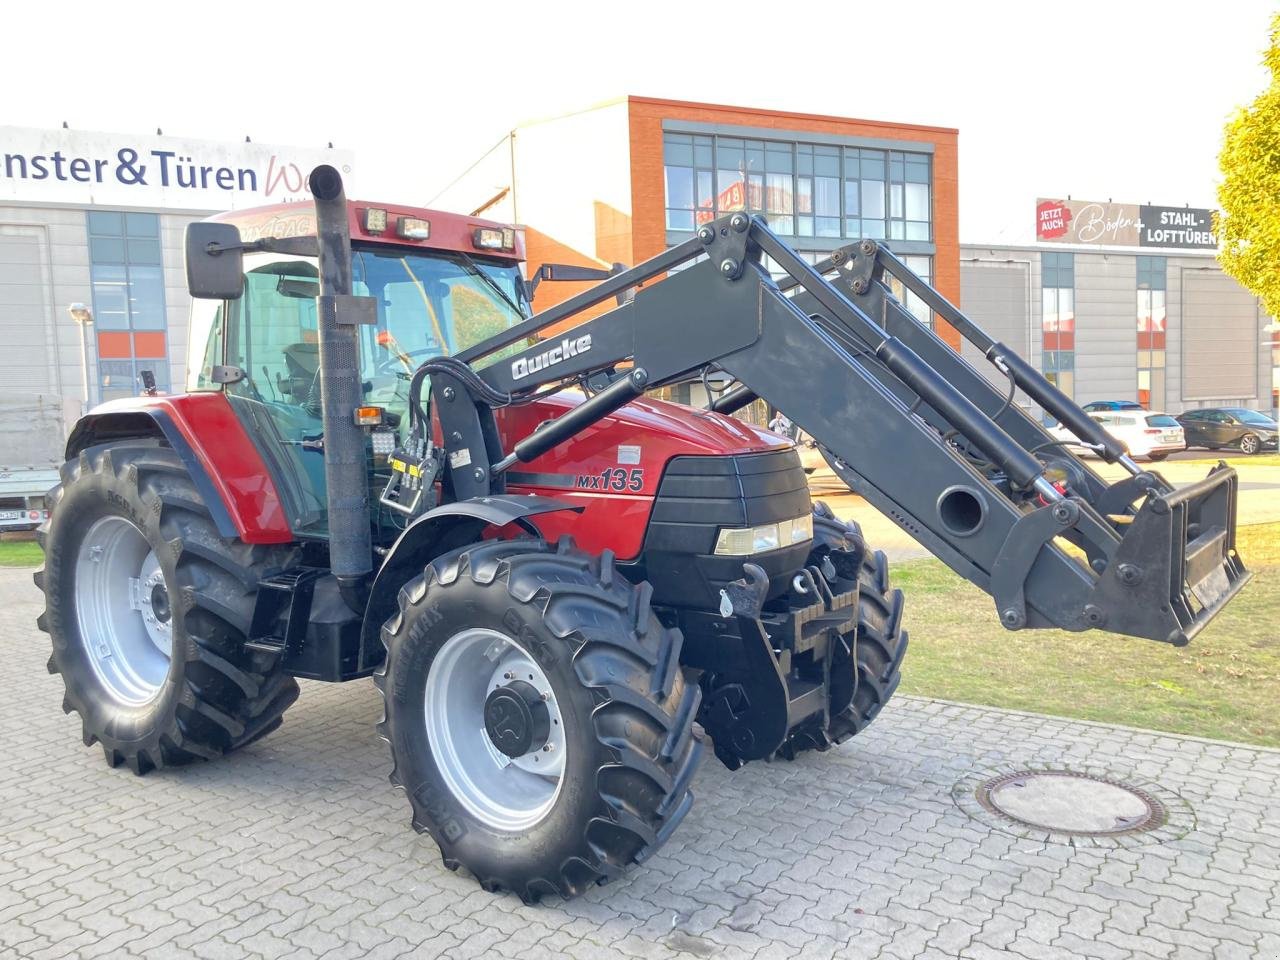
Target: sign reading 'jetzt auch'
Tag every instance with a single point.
(82, 167)
(1124, 224)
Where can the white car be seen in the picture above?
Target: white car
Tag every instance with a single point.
(1145, 433)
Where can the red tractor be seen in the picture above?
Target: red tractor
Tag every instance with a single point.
(386, 465)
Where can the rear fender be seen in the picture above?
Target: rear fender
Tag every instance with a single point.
(220, 457)
(438, 531)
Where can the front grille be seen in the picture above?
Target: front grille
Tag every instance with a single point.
(700, 495)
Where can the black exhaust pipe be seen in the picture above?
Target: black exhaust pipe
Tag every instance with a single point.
(345, 468)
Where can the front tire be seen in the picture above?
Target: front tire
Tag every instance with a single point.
(1250, 445)
(580, 665)
(879, 641)
(147, 608)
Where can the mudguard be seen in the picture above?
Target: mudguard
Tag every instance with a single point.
(445, 528)
(221, 458)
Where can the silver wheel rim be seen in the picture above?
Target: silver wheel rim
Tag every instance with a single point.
(505, 793)
(123, 611)
(1249, 444)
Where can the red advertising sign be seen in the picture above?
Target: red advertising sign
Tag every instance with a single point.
(1053, 219)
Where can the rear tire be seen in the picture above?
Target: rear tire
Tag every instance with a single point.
(153, 659)
(1157, 457)
(608, 671)
(881, 643)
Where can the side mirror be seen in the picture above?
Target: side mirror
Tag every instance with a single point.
(215, 261)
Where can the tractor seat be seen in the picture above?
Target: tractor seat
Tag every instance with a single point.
(302, 360)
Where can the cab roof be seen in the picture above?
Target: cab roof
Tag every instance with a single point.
(448, 231)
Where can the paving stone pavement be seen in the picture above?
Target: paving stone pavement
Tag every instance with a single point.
(297, 847)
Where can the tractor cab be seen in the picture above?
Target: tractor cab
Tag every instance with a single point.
(439, 283)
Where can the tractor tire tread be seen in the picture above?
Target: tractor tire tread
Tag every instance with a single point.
(231, 699)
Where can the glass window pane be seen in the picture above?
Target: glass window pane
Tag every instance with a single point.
(755, 155)
(917, 231)
(106, 223)
(897, 230)
(804, 195)
(778, 193)
(851, 206)
(895, 201)
(679, 219)
(702, 151)
(805, 226)
(143, 250)
(778, 158)
(142, 224)
(110, 297)
(917, 168)
(873, 199)
(705, 194)
(804, 159)
(826, 161)
(106, 250)
(826, 196)
(680, 187)
(146, 297)
(917, 196)
(873, 229)
(677, 149)
(872, 165)
(828, 226)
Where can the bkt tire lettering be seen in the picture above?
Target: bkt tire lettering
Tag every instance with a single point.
(525, 366)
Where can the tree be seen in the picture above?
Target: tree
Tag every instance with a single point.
(1249, 225)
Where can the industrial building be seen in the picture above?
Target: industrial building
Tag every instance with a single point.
(1164, 327)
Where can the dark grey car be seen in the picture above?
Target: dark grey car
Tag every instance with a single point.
(1217, 427)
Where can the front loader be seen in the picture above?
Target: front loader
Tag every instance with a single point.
(386, 466)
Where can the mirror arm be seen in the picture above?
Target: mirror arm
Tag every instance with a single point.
(291, 246)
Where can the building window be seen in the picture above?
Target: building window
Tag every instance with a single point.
(802, 189)
(1058, 320)
(1151, 332)
(127, 277)
(923, 266)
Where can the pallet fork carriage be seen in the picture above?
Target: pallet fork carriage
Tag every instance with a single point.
(557, 597)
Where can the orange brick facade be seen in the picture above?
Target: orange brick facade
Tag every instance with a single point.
(648, 187)
(642, 235)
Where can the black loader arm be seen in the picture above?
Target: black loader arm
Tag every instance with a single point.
(911, 425)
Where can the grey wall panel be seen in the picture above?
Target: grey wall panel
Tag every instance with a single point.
(26, 366)
(1220, 324)
(1106, 327)
(995, 294)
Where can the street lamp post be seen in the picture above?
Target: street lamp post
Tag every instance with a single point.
(83, 316)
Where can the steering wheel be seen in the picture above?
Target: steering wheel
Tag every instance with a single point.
(391, 362)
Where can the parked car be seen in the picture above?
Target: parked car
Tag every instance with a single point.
(1099, 405)
(1146, 434)
(1217, 427)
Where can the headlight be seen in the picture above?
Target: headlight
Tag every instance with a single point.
(745, 541)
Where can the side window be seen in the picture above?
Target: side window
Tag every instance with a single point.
(275, 339)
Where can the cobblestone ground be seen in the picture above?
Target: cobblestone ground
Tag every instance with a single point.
(298, 847)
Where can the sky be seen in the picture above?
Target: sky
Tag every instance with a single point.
(1096, 100)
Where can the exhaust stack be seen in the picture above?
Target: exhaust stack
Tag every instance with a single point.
(345, 467)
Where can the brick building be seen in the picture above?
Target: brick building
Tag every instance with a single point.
(623, 180)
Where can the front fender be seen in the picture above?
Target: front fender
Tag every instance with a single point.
(437, 531)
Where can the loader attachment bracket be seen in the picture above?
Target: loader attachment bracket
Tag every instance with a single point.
(1176, 566)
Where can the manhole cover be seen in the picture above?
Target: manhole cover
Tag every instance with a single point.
(1078, 804)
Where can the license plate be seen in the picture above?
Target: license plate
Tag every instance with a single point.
(1172, 437)
(13, 515)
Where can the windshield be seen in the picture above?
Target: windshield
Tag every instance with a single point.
(1251, 416)
(437, 303)
(429, 305)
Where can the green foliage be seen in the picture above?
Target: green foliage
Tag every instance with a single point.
(1249, 225)
(1224, 685)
